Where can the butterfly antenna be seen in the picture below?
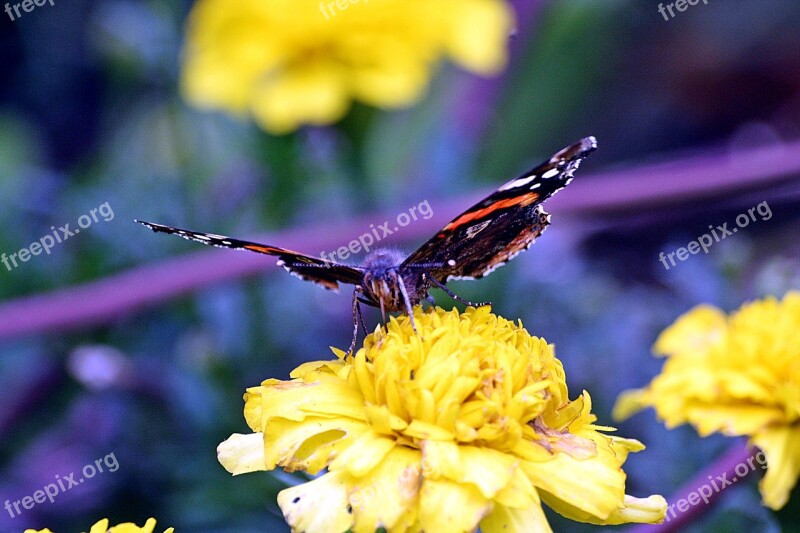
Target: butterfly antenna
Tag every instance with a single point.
(425, 266)
(455, 296)
(407, 300)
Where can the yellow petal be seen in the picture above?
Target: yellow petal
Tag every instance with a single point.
(622, 447)
(489, 470)
(505, 520)
(595, 486)
(519, 493)
(252, 407)
(148, 527)
(448, 506)
(382, 420)
(426, 431)
(309, 371)
(732, 419)
(477, 40)
(441, 459)
(362, 378)
(240, 454)
(629, 403)
(387, 497)
(295, 400)
(363, 454)
(694, 331)
(782, 448)
(394, 84)
(311, 93)
(319, 506)
(309, 445)
(101, 526)
(650, 510)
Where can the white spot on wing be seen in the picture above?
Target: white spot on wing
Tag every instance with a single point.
(552, 173)
(477, 228)
(456, 278)
(519, 182)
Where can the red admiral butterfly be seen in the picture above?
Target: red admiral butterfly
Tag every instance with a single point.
(472, 245)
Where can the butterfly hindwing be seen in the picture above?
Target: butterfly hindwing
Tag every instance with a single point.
(326, 273)
(496, 229)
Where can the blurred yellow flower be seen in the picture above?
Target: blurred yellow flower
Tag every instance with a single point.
(128, 527)
(294, 62)
(737, 375)
(466, 425)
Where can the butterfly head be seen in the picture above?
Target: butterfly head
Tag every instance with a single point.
(382, 281)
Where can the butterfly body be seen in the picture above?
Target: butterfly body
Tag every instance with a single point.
(472, 245)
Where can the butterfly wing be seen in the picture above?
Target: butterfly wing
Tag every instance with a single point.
(326, 273)
(496, 229)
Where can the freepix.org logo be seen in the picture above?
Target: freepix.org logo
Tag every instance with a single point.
(365, 241)
(680, 5)
(27, 6)
(61, 484)
(705, 241)
(46, 243)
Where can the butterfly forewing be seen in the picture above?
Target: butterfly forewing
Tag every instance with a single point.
(499, 227)
(326, 273)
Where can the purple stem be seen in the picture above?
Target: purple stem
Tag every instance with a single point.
(642, 189)
(724, 467)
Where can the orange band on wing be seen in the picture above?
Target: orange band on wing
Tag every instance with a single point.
(517, 201)
(264, 249)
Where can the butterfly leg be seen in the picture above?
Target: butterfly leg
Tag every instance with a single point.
(361, 317)
(453, 295)
(356, 315)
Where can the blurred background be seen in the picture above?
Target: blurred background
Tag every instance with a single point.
(120, 341)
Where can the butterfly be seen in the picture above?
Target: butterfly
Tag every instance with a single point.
(472, 245)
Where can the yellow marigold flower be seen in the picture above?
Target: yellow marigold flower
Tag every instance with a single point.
(737, 375)
(128, 527)
(294, 62)
(466, 425)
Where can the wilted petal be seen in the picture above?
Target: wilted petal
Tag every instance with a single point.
(319, 506)
(241, 454)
